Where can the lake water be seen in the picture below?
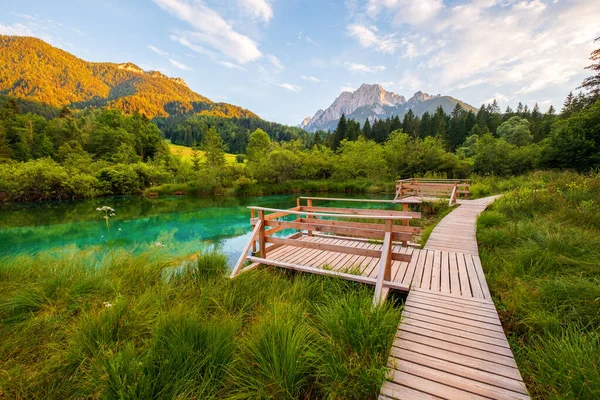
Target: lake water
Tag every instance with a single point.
(184, 225)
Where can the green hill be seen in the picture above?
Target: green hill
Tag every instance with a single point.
(32, 69)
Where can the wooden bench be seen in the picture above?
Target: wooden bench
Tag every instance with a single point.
(441, 188)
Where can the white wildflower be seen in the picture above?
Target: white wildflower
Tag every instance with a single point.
(159, 244)
(119, 228)
(106, 304)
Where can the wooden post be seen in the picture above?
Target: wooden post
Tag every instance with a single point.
(405, 222)
(252, 215)
(385, 265)
(240, 263)
(309, 204)
(298, 202)
(262, 244)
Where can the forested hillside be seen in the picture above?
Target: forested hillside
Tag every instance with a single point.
(33, 70)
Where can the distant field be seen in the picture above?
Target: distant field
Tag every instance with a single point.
(186, 152)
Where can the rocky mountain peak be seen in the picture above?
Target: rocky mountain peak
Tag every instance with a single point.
(130, 67)
(372, 101)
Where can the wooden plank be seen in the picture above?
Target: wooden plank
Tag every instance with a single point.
(462, 275)
(430, 387)
(436, 272)
(454, 307)
(444, 318)
(384, 215)
(456, 381)
(460, 359)
(340, 227)
(451, 312)
(240, 262)
(482, 331)
(459, 349)
(427, 270)
(395, 228)
(335, 248)
(473, 278)
(481, 276)
(458, 340)
(320, 271)
(410, 271)
(384, 265)
(449, 298)
(466, 333)
(416, 282)
(444, 273)
(511, 384)
(392, 390)
(354, 212)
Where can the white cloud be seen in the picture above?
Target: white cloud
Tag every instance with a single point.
(179, 65)
(311, 79)
(290, 87)
(258, 9)
(16, 29)
(275, 61)
(368, 38)
(158, 51)
(348, 88)
(230, 65)
(211, 30)
(406, 11)
(356, 67)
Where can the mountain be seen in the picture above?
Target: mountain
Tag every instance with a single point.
(374, 102)
(33, 70)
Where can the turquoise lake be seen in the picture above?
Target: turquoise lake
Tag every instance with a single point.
(183, 225)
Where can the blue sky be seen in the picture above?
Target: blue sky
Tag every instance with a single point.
(284, 59)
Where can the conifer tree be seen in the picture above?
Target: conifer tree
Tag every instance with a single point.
(592, 83)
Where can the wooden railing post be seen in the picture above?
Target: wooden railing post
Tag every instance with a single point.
(385, 264)
(262, 244)
(405, 222)
(252, 215)
(309, 204)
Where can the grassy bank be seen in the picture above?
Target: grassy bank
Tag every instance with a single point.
(540, 247)
(138, 327)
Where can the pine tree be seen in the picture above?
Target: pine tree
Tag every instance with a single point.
(340, 133)
(366, 130)
(568, 105)
(195, 157)
(214, 149)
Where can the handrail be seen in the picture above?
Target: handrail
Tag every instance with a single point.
(354, 200)
(422, 180)
(318, 214)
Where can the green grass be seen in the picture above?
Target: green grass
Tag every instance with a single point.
(185, 153)
(540, 248)
(143, 326)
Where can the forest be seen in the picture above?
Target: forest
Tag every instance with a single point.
(98, 152)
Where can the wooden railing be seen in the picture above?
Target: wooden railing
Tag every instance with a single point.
(372, 224)
(452, 188)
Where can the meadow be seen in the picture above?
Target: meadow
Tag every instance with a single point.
(185, 153)
(540, 249)
(143, 326)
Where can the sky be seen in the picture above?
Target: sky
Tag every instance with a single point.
(285, 59)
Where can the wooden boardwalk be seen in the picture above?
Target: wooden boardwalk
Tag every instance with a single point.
(450, 344)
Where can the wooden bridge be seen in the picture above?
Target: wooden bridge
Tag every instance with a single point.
(450, 343)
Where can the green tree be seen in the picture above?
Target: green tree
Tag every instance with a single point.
(340, 133)
(516, 131)
(259, 146)
(214, 149)
(366, 130)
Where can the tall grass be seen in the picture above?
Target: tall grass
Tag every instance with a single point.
(140, 327)
(540, 247)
